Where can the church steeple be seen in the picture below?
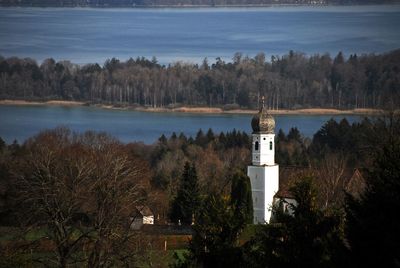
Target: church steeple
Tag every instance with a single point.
(263, 172)
(263, 122)
(263, 125)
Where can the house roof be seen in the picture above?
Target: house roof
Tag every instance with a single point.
(287, 176)
(284, 193)
(144, 211)
(356, 184)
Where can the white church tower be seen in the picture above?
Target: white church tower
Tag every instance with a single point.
(264, 172)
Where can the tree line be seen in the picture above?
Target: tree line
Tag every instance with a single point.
(359, 231)
(290, 81)
(81, 189)
(76, 193)
(146, 3)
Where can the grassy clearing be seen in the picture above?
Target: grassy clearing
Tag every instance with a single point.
(17, 252)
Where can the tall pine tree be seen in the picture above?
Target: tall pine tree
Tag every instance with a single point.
(214, 241)
(304, 238)
(372, 221)
(241, 200)
(187, 201)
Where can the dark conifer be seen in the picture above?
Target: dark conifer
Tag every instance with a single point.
(201, 139)
(281, 137)
(173, 137)
(241, 200)
(305, 237)
(162, 139)
(373, 227)
(294, 134)
(210, 135)
(187, 201)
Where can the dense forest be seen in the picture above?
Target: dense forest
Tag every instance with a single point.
(80, 188)
(290, 81)
(147, 3)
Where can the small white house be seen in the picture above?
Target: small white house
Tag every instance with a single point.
(141, 215)
(285, 201)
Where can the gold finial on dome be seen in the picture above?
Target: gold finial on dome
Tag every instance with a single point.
(263, 122)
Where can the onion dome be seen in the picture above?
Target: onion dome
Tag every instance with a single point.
(263, 122)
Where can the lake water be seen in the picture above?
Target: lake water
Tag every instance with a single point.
(22, 122)
(85, 35)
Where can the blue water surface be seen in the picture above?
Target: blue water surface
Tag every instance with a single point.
(84, 35)
(22, 122)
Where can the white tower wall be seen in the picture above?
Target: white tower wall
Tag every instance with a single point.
(264, 176)
(263, 173)
(263, 149)
(264, 185)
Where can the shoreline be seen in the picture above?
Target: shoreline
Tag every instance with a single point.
(196, 110)
(41, 103)
(199, 6)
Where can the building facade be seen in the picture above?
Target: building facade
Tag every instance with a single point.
(263, 172)
(141, 216)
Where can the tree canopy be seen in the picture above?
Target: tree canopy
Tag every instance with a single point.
(372, 228)
(288, 82)
(185, 206)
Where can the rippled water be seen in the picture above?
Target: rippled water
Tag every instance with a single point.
(85, 35)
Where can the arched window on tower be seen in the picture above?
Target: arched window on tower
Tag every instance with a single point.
(270, 145)
(256, 146)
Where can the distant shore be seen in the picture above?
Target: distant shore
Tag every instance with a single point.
(199, 110)
(190, 6)
(34, 103)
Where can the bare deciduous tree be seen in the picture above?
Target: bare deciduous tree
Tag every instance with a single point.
(81, 189)
(331, 180)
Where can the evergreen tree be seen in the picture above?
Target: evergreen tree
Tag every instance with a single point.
(218, 225)
(281, 137)
(162, 139)
(304, 238)
(221, 141)
(373, 227)
(201, 139)
(182, 137)
(187, 201)
(210, 135)
(294, 134)
(173, 137)
(241, 200)
(2, 144)
(214, 242)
